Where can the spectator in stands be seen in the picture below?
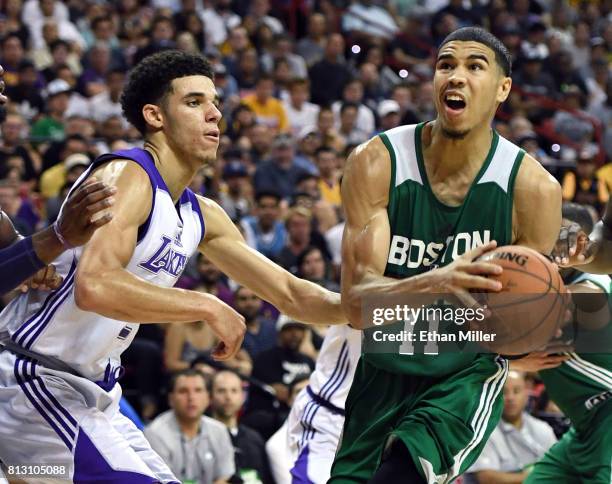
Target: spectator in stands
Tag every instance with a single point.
(259, 12)
(300, 112)
(368, 22)
(282, 48)
(66, 29)
(233, 200)
(308, 141)
(261, 332)
(268, 110)
(533, 84)
(329, 134)
(264, 231)
(162, 35)
(518, 440)
(564, 74)
(247, 71)
(402, 95)
(25, 96)
(329, 75)
(197, 448)
(312, 46)
(283, 170)
(535, 43)
(583, 185)
(353, 93)
(53, 179)
(103, 30)
(211, 280)
(185, 342)
(572, 122)
(93, 79)
(261, 139)
(13, 144)
(388, 114)
(227, 399)
(218, 20)
(348, 128)
(51, 126)
(329, 186)
(107, 103)
(12, 51)
(277, 367)
(313, 267)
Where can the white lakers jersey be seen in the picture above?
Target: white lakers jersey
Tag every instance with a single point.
(50, 323)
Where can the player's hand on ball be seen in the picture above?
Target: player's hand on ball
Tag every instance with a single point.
(573, 246)
(45, 279)
(87, 209)
(538, 360)
(229, 327)
(466, 274)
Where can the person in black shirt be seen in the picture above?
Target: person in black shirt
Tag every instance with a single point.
(275, 370)
(227, 398)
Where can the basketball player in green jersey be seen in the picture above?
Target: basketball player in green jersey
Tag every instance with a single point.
(435, 196)
(581, 385)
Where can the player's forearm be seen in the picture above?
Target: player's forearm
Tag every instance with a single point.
(18, 263)
(118, 294)
(47, 246)
(416, 290)
(498, 477)
(311, 303)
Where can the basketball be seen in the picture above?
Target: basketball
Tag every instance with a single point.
(526, 314)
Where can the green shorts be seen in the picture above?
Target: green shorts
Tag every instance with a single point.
(578, 458)
(444, 422)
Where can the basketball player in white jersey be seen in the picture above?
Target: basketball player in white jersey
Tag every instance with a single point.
(58, 392)
(317, 416)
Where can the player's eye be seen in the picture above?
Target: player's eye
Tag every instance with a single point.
(193, 103)
(476, 67)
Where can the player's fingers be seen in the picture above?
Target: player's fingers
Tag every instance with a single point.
(477, 283)
(467, 300)
(484, 268)
(221, 352)
(478, 251)
(86, 188)
(103, 220)
(574, 231)
(590, 248)
(93, 208)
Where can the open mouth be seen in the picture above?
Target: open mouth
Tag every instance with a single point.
(454, 102)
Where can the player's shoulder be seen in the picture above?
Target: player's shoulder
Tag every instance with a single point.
(370, 158)
(533, 176)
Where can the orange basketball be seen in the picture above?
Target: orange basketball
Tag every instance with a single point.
(527, 313)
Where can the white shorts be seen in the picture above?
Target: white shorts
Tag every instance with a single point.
(314, 433)
(54, 417)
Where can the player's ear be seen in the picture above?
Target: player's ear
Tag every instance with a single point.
(503, 89)
(153, 116)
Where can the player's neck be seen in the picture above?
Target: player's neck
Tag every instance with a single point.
(177, 174)
(454, 155)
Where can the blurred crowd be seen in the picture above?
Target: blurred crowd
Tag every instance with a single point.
(301, 83)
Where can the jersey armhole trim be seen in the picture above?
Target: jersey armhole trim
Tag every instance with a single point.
(518, 160)
(387, 142)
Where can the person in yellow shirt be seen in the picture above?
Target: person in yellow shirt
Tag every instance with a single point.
(268, 110)
(583, 184)
(54, 178)
(329, 187)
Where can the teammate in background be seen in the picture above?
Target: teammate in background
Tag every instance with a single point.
(317, 415)
(435, 195)
(58, 391)
(580, 383)
(27, 257)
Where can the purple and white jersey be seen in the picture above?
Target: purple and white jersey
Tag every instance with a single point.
(50, 323)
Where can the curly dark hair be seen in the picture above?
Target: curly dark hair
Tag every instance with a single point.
(150, 81)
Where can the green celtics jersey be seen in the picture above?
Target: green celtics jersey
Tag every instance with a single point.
(582, 386)
(426, 233)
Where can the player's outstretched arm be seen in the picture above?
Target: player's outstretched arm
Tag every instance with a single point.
(297, 298)
(365, 244)
(105, 287)
(537, 207)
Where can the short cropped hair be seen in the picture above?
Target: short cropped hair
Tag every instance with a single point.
(151, 80)
(482, 36)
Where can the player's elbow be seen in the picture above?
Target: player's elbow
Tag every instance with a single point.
(86, 292)
(351, 305)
